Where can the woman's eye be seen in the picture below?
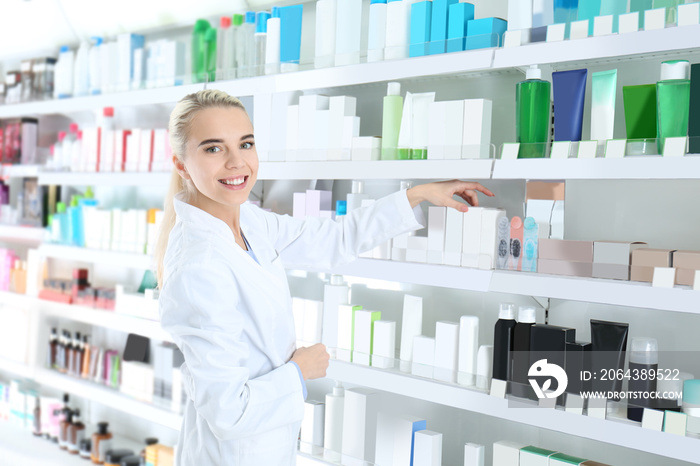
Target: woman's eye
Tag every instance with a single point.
(247, 145)
(212, 149)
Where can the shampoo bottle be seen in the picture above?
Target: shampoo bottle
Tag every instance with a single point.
(391, 121)
(53, 348)
(63, 81)
(210, 54)
(333, 427)
(199, 64)
(503, 342)
(376, 34)
(532, 117)
(672, 101)
(76, 433)
(101, 443)
(521, 351)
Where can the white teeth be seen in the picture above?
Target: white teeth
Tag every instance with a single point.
(235, 182)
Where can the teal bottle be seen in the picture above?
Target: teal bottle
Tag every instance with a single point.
(672, 101)
(532, 117)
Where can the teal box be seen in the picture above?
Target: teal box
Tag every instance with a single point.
(421, 16)
(485, 33)
(458, 17)
(438, 27)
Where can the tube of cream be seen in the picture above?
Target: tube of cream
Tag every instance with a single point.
(609, 340)
(569, 97)
(406, 128)
(603, 92)
(419, 135)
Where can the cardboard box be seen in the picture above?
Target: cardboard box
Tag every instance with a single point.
(564, 250)
(613, 271)
(686, 260)
(615, 252)
(640, 273)
(648, 257)
(506, 453)
(569, 268)
(685, 276)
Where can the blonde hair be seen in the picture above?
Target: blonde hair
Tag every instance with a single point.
(178, 128)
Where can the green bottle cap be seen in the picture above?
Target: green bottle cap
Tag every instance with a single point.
(237, 19)
(201, 25)
(89, 193)
(60, 208)
(210, 35)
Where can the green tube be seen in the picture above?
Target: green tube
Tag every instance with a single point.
(672, 101)
(391, 121)
(210, 57)
(640, 111)
(199, 66)
(532, 114)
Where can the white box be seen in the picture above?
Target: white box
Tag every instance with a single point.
(423, 356)
(652, 419)
(279, 124)
(299, 205)
(628, 22)
(384, 344)
(366, 148)
(262, 119)
(454, 223)
(395, 438)
(347, 27)
(476, 133)
(488, 254)
(417, 255)
(299, 312)
(419, 243)
(446, 351)
(362, 339)
(471, 237)
(427, 448)
(579, 29)
(468, 348)
(313, 321)
(664, 277)
(556, 32)
(320, 150)
(506, 453)
(398, 254)
(360, 423)
(340, 107)
(436, 228)
(603, 25)
(351, 130)
(345, 328)
(473, 454)
(312, 426)
(675, 423)
(309, 105)
(437, 118)
(436, 257)
(454, 128)
(688, 15)
(292, 140)
(411, 325)
(333, 296)
(655, 19)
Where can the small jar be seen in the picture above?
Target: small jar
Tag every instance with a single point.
(114, 457)
(84, 448)
(131, 460)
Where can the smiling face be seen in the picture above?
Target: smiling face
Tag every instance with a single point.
(221, 160)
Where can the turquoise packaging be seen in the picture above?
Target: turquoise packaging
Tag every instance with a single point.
(80, 235)
(691, 392)
(565, 12)
(589, 9)
(290, 33)
(438, 26)
(341, 208)
(458, 17)
(421, 17)
(485, 33)
(530, 244)
(641, 6)
(569, 98)
(615, 8)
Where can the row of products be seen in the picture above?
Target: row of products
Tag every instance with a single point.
(644, 262)
(508, 453)
(653, 112)
(18, 140)
(103, 148)
(13, 272)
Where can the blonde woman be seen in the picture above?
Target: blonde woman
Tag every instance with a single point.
(224, 293)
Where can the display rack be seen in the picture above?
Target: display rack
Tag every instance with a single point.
(96, 256)
(22, 234)
(618, 431)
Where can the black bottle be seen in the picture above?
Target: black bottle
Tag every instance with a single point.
(503, 342)
(521, 352)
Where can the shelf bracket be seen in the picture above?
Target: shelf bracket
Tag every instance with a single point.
(544, 303)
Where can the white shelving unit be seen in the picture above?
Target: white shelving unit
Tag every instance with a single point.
(22, 234)
(96, 256)
(620, 432)
(104, 179)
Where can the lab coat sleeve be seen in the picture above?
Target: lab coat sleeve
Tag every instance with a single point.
(200, 313)
(328, 243)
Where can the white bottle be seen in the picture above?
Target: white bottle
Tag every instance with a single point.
(376, 33)
(77, 149)
(63, 80)
(348, 27)
(333, 425)
(223, 47)
(272, 52)
(325, 33)
(398, 29)
(335, 293)
(245, 46)
(95, 67)
(57, 163)
(81, 74)
(356, 196)
(67, 147)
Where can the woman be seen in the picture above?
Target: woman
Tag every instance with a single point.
(224, 293)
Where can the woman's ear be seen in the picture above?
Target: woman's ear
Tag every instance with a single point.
(180, 167)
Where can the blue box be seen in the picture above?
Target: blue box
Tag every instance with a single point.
(458, 17)
(485, 33)
(438, 26)
(421, 15)
(290, 33)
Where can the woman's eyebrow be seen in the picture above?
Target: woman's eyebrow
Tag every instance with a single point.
(248, 136)
(210, 141)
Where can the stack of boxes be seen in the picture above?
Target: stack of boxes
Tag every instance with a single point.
(460, 129)
(313, 203)
(507, 453)
(562, 257)
(308, 321)
(612, 259)
(645, 260)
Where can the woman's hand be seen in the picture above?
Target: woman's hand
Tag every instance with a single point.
(440, 194)
(313, 361)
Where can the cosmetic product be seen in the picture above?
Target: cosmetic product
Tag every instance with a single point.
(484, 366)
(615, 8)
(476, 132)
(561, 459)
(516, 244)
(272, 47)
(224, 49)
(566, 12)
(644, 261)
(603, 93)
(578, 359)
(485, 33)
(454, 222)
(612, 259)
(640, 118)
(488, 237)
(36, 418)
(609, 344)
(686, 263)
(333, 422)
(419, 134)
(423, 356)
(398, 29)
(446, 351)
(471, 237)
(290, 36)
(459, 14)
(260, 39)
(473, 454)
(335, 293)
(503, 342)
(421, 20)
(521, 351)
(569, 97)
(363, 335)
(438, 26)
(340, 108)
(199, 65)
(427, 448)
(52, 350)
(84, 448)
(114, 457)
(101, 443)
(566, 250)
(384, 344)
(411, 326)
(313, 424)
(534, 456)
(549, 342)
(468, 347)
(346, 328)
(395, 438)
(348, 29)
(76, 433)
(142, 455)
(506, 453)
(391, 120)
(360, 423)
(245, 46)
(356, 196)
(376, 31)
(325, 33)
(673, 101)
(530, 244)
(694, 111)
(644, 359)
(532, 114)
(640, 6)
(589, 10)
(403, 152)
(64, 426)
(691, 398)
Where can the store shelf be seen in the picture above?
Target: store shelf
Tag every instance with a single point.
(598, 49)
(147, 179)
(15, 368)
(96, 256)
(20, 447)
(22, 234)
(382, 170)
(18, 170)
(592, 290)
(102, 318)
(628, 168)
(619, 432)
(108, 397)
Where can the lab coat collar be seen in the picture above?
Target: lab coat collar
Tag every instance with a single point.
(197, 216)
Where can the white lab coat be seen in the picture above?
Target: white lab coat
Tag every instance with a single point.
(232, 319)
